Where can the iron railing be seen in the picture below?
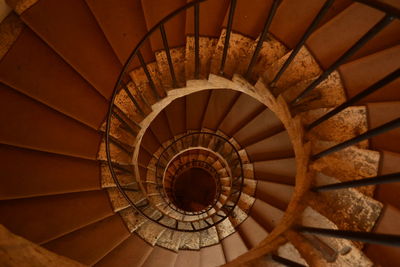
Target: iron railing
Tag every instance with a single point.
(391, 14)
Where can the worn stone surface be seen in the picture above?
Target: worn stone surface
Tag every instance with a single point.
(119, 202)
(150, 232)
(209, 237)
(248, 171)
(132, 218)
(354, 257)
(107, 180)
(142, 83)
(118, 131)
(190, 241)
(303, 67)
(289, 252)
(10, 28)
(271, 51)
(17, 251)
(224, 228)
(348, 209)
(117, 154)
(351, 163)
(246, 202)
(207, 48)
(329, 93)
(345, 125)
(239, 49)
(237, 216)
(178, 62)
(249, 186)
(170, 239)
(124, 103)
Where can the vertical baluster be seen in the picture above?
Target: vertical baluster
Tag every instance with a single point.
(197, 41)
(351, 51)
(168, 53)
(268, 21)
(227, 35)
(324, 9)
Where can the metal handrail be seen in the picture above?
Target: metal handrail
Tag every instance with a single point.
(391, 14)
(204, 133)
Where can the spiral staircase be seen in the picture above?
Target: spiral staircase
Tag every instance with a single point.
(204, 133)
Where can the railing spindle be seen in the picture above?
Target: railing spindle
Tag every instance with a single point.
(381, 179)
(324, 9)
(148, 76)
(367, 237)
(376, 86)
(227, 35)
(369, 134)
(268, 21)
(197, 41)
(351, 51)
(168, 54)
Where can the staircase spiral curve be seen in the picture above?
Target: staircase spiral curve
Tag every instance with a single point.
(204, 133)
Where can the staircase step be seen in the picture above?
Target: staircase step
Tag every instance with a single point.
(347, 164)
(219, 104)
(212, 256)
(196, 104)
(132, 252)
(17, 251)
(290, 33)
(80, 41)
(150, 232)
(125, 177)
(359, 74)
(28, 173)
(43, 71)
(276, 146)
(278, 195)
(89, 244)
(252, 232)
(241, 112)
(347, 251)
(159, 126)
(348, 124)
(233, 246)
(118, 154)
(176, 115)
(46, 127)
(132, 218)
(329, 93)
(160, 257)
(175, 31)
(347, 208)
(279, 171)
(211, 17)
(380, 113)
(352, 23)
(303, 67)
(188, 258)
(263, 125)
(266, 215)
(124, 31)
(389, 193)
(209, 237)
(69, 212)
(118, 200)
(385, 255)
(190, 240)
(143, 84)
